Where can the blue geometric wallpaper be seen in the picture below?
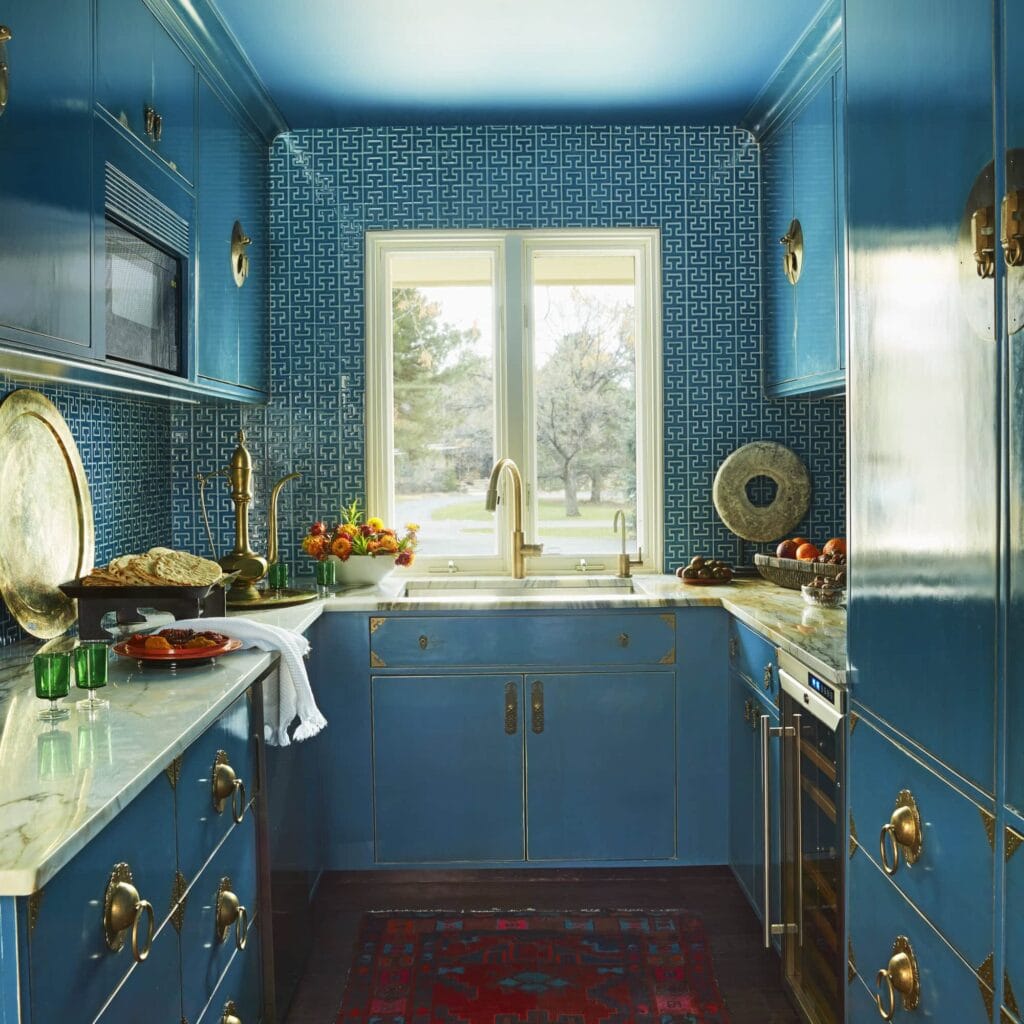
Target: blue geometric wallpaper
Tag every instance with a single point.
(699, 186)
(125, 444)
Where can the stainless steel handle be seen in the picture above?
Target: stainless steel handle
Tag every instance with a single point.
(799, 832)
(785, 732)
(766, 824)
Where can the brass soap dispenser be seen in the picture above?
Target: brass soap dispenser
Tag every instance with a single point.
(249, 566)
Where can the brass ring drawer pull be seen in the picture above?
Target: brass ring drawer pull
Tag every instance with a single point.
(424, 642)
(231, 912)
(902, 976)
(229, 1016)
(123, 908)
(623, 639)
(226, 785)
(902, 833)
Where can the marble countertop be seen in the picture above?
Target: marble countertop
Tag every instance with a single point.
(60, 785)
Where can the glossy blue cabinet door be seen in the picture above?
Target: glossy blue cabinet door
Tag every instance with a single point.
(217, 295)
(151, 994)
(777, 210)
(174, 98)
(254, 297)
(924, 424)
(45, 176)
(743, 784)
(600, 766)
(447, 770)
(814, 174)
(240, 986)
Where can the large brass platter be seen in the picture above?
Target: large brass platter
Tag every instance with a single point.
(46, 526)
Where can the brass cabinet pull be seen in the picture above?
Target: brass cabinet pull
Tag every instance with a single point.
(229, 1016)
(901, 975)
(511, 709)
(768, 676)
(734, 647)
(1013, 228)
(983, 241)
(537, 706)
(158, 127)
(226, 785)
(793, 251)
(231, 912)
(902, 832)
(5, 36)
(148, 120)
(623, 639)
(424, 642)
(123, 908)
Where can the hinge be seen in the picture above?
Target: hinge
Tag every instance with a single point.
(173, 771)
(35, 901)
(986, 982)
(853, 836)
(178, 900)
(1013, 842)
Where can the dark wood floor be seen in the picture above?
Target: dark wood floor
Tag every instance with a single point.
(748, 977)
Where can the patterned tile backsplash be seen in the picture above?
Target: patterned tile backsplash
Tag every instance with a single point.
(125, 446)
(699, 186)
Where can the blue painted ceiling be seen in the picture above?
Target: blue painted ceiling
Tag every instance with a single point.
(330, 63)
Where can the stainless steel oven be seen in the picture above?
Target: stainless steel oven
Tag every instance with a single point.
(813, 794)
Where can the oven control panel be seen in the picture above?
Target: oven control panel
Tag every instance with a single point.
(821, 688)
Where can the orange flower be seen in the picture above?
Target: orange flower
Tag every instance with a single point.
(388, 542)
(342, 547)
(315, 546)
(404, 558)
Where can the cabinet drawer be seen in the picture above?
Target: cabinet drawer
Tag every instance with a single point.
(200, 825)
(68, 942)
(241, 985)
(861, 1007)
(205, 955)
(754, 657)
(551, 640)
(151, 993)
(950, 990)
(951, 882)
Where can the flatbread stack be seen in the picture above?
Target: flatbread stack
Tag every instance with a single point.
(158, 567)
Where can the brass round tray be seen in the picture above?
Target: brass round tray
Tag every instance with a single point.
(46, 533)
(273, 599)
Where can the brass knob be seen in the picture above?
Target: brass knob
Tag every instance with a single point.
(768, 676)
(5, 34)
(623, 639)
(423, 643)
(231, 912)
(902, 976)
(123, 908)
(227, 786)
(229, 1016)
(901, 834)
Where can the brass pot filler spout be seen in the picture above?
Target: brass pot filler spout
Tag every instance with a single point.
(241, 559)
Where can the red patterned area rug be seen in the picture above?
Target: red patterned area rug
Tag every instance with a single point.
(532, 968)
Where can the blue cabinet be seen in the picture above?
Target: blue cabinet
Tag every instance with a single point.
(233, 328)
(46, 178)
(448, 768)
(779, 296)
(145, 82)
(600, 776)
(1013, 991)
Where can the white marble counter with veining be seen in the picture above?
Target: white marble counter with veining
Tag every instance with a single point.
(60, 785)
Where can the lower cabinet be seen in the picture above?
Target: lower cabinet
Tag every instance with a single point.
(546, 767)
(746, 797)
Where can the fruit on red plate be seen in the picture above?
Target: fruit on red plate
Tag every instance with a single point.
(807, 552)
(787, 549)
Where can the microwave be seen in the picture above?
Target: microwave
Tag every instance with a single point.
(145, 275)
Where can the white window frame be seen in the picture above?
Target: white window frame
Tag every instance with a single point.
(512, 252)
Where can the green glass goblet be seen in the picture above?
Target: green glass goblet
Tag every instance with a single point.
(277, 576)
(53, 681)
(91, 674)
(326, 576)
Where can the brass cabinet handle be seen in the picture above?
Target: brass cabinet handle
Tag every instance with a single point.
(902, 976)
(5, 36)
(983, 231)
(793, 251)
(901, 833)
(240, 242)
(623, 639)
(424, 642)
(1013, 228)
(231, 912)
(537, 706)
(158, 127)
(768, 676)
(229, 1016)
(148, 120)
(734, 647)
(511, 709)
(123, 908)
(226, 785)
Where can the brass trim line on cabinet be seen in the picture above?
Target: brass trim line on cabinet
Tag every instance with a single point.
(854, 843)
(173, 771)
(376, 661)
(178, 900)
(851, 961)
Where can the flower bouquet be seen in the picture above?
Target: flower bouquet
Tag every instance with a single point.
(365, 550)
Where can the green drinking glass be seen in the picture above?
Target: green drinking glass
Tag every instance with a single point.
(91, 661)
(53, 681)
(326, 576)
(277, 576)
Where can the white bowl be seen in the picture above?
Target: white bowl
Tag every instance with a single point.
(363, 570)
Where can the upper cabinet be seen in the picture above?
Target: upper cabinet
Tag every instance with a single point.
(46, 176)
(145, 82)
(798, 122)
(233, 284)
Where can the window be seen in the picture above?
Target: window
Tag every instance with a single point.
(542, 346)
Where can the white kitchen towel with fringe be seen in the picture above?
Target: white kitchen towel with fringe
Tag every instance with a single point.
(291, 696)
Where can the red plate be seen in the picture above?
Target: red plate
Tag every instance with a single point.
(129, 650)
